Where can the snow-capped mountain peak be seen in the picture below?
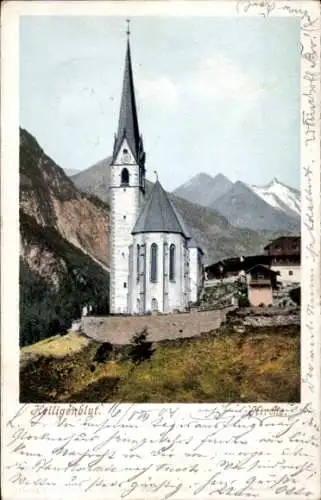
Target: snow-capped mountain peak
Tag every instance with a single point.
(279, 196)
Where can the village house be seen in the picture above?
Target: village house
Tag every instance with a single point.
(282, 255)
(261, 282)
(285, 255)
(232, 267)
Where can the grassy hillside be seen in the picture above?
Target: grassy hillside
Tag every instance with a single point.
(262, 365)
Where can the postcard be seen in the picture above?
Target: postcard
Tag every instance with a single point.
(160, 249)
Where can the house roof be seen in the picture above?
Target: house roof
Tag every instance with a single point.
(265, 268)
(159, 215)
(284, 239)
(128, 122)
(237, 263)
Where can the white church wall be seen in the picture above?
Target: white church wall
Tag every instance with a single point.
(155, 297)
(177, 287)
(193, 266)
(125, 202)
(137, 290)
(196, 270)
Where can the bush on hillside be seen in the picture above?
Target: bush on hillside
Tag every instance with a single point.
(140, 349)
(295, 295)
(103, 353)
(244, 301)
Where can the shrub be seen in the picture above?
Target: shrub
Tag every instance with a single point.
(295, 295)
(244, 301)
(140, 349)
(103, 353)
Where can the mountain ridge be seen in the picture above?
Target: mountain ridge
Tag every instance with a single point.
(207, 190)
(244, 208)
(279, 195)
(210, 228)
(203, 189)
(50, 196)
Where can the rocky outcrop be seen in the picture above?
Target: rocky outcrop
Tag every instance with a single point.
(43, 262)
(51, 198)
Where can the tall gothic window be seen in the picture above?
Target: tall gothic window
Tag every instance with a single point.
(137, 262)
(153, 262)
(172, 252)
(124, 177)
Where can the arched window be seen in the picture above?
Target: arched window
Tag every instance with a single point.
(154, 305)
(124, 177)
(153, 262)
(172, 252)
(137, 263)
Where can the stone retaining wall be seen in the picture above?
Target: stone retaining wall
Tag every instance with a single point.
(120, 329)
(260, 317)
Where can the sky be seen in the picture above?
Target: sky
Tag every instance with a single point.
(214, 95)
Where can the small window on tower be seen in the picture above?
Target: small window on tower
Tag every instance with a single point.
(125, 284)
(126, 156)
(124, 217)
(124, 177)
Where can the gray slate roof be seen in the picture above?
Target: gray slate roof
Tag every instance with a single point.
(128, 122)
(159, 215)
(192, 243)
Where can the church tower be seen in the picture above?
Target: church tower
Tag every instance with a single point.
(127, 189)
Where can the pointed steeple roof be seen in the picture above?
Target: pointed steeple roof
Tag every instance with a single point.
(159, 215)
(128, 122)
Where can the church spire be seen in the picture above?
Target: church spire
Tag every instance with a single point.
(128, 122)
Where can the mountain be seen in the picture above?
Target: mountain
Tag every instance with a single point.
(280, 196)
(51, 198)
(244, 208)
(204, 189)
(63, 246)
(242, 203)
(214, 233)
(71, 171)
(95, 179)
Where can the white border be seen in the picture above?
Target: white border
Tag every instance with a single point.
(309, 409)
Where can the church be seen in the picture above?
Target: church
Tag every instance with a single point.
(155, 263)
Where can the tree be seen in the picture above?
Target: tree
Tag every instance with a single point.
(140, 349)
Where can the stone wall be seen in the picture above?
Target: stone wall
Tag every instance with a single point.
(120, 329)
(264, 317)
